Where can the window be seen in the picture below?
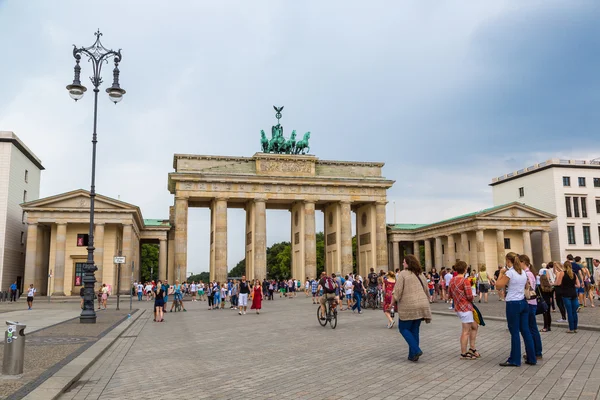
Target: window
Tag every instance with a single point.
(24, 196)
(584, 207)
(568, 204)
(576, 206)
(521, 192)
(566, 181)
(78, 274)
(597, 182)
(581, 181)
(571, 234)
(82, 239)
(587, 238)
(590, 264)
(22, 237)
(598, 206)
(26, 176)
(507, 243)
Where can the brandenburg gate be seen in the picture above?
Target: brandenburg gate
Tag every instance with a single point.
(282, 177)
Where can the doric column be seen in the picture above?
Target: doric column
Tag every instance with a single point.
(346, 238)
(480, 248)
(128, 253)
(181, 220)
(396, 255)
(500, 247)
(546, 250)
(464, 248)
(162, 259)
(221, 239)
(428, 260)
(527, 245)
(451, 251)
(439, 257)
(99, 254)
(59, 263)
(31, 264)
(381, 236)
(417, 249)
(310, 241)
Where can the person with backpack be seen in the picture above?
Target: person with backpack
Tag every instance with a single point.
(546, 290)
(328, 285)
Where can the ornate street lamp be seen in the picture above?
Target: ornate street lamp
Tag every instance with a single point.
(98, 55)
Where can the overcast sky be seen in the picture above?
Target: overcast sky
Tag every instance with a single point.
(447, 93)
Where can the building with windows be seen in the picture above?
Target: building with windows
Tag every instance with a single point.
(569, 189)
(20, 172)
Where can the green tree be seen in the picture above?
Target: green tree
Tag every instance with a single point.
(149, 262)
(202, 276)
(279, 260)
(320, 239)
(239, 270)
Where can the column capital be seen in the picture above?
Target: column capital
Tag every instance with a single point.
(500, 229)
(61, 223)
(381, 202)
(32, 224)
(222, 198)
(99, 223)
(125, 224)
(308, 201)
(345, 202)
(260, 200)
(180, 197)
(162, 240)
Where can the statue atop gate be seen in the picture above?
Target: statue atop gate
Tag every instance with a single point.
(278, 144)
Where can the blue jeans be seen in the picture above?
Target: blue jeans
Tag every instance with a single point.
(410, 332)
(535, 332)
(139, 296)
(517, 316)
(572, 304)
(357, 299)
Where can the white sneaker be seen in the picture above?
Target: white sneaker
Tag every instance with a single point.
(561, 320)
(244, 312)
(240, 312)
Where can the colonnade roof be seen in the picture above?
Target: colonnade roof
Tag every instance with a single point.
(528, 213)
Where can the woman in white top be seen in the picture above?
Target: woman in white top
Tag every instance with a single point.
(348, 287)
(148, 291)
(514, 279)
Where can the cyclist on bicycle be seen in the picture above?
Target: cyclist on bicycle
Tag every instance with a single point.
(372, 281)
(328, 285)
(177, 294)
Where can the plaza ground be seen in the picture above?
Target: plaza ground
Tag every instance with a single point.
(283, 352)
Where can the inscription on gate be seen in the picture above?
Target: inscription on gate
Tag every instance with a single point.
(365, 238)
(331, 238)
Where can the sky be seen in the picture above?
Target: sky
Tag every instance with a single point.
(448, 94)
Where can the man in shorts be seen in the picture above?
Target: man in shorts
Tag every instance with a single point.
(30, 293)
(194, 290)
(243, 296)
(314, 284)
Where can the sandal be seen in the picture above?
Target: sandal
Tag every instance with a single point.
(544, 330)
(467, 356)
(474, 353)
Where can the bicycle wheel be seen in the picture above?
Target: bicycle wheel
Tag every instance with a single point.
(322, 322)
(333, 318)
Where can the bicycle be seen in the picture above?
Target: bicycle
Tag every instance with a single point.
(177, 302)
(331, 315)
(372, 300)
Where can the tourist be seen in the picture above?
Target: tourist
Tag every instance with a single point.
(167, 288)
(484, 283)
(30, 294)
(501, 292)
(159, 302)
(587, 283)
(13, 292)
(348, 287)
(243, 296)
(216, 295)
(358, 290)
(271, 289)
(568, 282)
(201, 294)
(558, 269)
(257, 296)
(265, 288)
(194, 290)
(514, 279)
(577, 271)
(307, 287)
(81, 294)
(314, 284)
(388, 296)
(410, 299)
(447, 279)
(436, 283)
(532, 303)
(596, 276)
(235, 289)
(462, 295)
(148, 291)
(104, 295)
(430, 287)
(140, 290)
(177, 295)
(224, 291)
(442, 284)
(211, 295)
(98, 297)
(546, 290)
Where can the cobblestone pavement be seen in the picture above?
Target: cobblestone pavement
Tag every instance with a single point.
(283, 352)
(587, 316)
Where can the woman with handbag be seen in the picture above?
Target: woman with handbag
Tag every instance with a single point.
(546, 292)
(411, 299)
(514, 279)
(568, 283)
(533, 304)
(484, 283)
(557, 270)
(461, 293)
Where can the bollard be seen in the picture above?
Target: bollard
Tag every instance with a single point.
(14, 348)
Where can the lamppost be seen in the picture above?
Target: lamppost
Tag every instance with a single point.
(98, 55)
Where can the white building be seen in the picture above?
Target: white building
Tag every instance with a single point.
(20, 172)
(569, 189)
